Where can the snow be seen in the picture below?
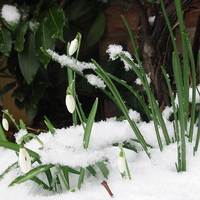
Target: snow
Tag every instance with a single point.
(152, 179)
(114, 51)
(10, 13)
(64, 60)
(95, 81)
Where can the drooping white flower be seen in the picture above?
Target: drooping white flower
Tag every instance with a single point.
(121, 163)
(5, 124)
(73, 47)
(70, 103)
(24, 160)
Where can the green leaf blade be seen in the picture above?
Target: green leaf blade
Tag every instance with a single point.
(96, 30)
(28, 61)
(54, 21)
(43, 39)
(5, 41)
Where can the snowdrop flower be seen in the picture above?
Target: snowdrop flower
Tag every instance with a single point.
(73, 47)
(24, 160)
(121, 164)
(5, 124)
(70, 103)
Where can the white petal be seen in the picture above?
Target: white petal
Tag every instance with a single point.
(73, 46)
(24, 160)
(5, 124)
(70, 103)
(121, 164)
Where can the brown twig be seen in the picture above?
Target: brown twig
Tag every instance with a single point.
(104, 183)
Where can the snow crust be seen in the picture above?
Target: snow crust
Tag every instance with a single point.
(152, 179)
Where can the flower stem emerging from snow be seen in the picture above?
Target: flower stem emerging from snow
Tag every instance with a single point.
(123, 164)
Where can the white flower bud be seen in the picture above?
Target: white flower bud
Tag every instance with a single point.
(121, 164)
(73, 46)
(24, 160)
(70, 103)
(5, 124)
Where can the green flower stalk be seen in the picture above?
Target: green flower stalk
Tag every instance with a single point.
(122, 164)
(24, 160)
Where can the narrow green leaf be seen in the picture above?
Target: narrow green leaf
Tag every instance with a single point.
(91, 170)
(96, 30)
(89, 124)
(103, 168)
(19, 41)
(31, 174)
(49, 125)
(40, 182)
(14, 165)
(15, 147)
(54, 21)
(28, 61)
(43, 39)
(81, 178)
(5, 41)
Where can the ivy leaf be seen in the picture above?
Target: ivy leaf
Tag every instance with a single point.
(96, 30)
(28, 61)
(54, 21)
(5, 41)
(19, 42)
(43, 39)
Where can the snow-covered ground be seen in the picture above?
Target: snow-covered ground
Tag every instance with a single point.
(152, 179)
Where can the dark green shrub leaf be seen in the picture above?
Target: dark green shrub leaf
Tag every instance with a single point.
(5, 41)
(12, 25)
(77, 9)
(54, 21)
(28, 61)
(43, 39)
(96, 30)
(19, 42)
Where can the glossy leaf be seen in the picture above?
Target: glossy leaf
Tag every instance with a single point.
(43, 39)
(19, 42)
(31, 174)
(28, 61)
(5, 41)
(96, 30)
(78, 9)
(54, 21)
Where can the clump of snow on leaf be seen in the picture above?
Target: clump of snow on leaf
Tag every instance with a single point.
(10, 13)
(95, 81)
(134, 115)
(70, 62)
(114, 51)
